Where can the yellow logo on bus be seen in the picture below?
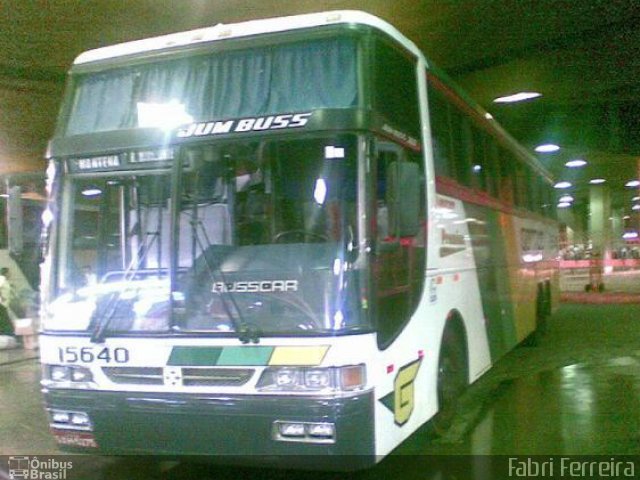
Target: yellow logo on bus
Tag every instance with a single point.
(404, 392)
(402, 400)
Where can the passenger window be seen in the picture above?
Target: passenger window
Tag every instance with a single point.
(440, 133)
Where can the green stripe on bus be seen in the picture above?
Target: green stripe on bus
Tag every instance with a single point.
(219, 356)
(194, 356)
(242, 356)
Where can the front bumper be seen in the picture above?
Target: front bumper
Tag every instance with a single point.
(227, 427)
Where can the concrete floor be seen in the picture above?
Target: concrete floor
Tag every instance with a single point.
(577, 393)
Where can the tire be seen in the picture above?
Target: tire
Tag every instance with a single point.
(453, 379)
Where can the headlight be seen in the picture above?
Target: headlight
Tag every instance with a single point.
(80, 419)
(286, 377)
(299, 379)
(318, 378)
(69, 375)
(81, 374)
(59, 373)
(69, 420)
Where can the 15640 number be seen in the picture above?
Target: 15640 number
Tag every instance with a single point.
(90, 355)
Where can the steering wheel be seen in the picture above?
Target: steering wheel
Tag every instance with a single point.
(302, 234)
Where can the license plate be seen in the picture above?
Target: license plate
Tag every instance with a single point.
(75, 439)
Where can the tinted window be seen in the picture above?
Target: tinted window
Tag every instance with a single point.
(395, 88)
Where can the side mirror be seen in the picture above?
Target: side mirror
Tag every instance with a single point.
(403, 198)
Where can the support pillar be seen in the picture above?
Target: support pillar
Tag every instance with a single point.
(599, 223)
(617, 227)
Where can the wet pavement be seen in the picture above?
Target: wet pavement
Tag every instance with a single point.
(577, 393)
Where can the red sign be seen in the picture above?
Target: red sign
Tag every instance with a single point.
(75, 439)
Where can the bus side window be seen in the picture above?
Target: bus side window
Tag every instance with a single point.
(399, 256)
(383, 228)
(478, 164)
(462, 148)
(507, 174)
(492, 167)
(440, 132)
(520, 185)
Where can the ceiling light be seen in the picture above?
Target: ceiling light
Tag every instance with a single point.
(575, 163)
(547, 148)
(564, 204)
(91, 192)
(517, 97)
(566, 198)
(597, 181)
(562, 185)
(632, 183)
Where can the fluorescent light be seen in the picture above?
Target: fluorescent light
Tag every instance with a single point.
(566, 198)
(564, 204)
(517, 97)
(547, 148)
(91, 192)
(632, 183)
(575, 163)
(562, 185)
(597, 181)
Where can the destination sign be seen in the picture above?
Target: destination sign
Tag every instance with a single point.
(96, 163)
(145, 156)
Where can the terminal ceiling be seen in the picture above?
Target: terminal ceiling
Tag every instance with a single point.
(583, 56)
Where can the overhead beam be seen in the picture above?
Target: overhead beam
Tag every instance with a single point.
(53, 75)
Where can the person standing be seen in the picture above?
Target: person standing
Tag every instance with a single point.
(6, 323)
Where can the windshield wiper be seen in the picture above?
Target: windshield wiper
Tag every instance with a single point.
(103, 321)
(247, 332)
(106, 314)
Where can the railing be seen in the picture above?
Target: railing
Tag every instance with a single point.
(600, 275)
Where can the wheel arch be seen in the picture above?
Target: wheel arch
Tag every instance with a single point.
(454, 325)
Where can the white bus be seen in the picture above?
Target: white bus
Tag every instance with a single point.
(280, 238)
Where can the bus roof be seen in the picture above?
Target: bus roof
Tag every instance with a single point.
(245, 29)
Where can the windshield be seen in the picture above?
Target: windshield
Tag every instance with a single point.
(265, 235)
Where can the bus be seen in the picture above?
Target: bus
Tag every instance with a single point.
(19, 467)
(280, 238)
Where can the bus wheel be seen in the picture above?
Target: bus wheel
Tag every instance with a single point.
(452, 380)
